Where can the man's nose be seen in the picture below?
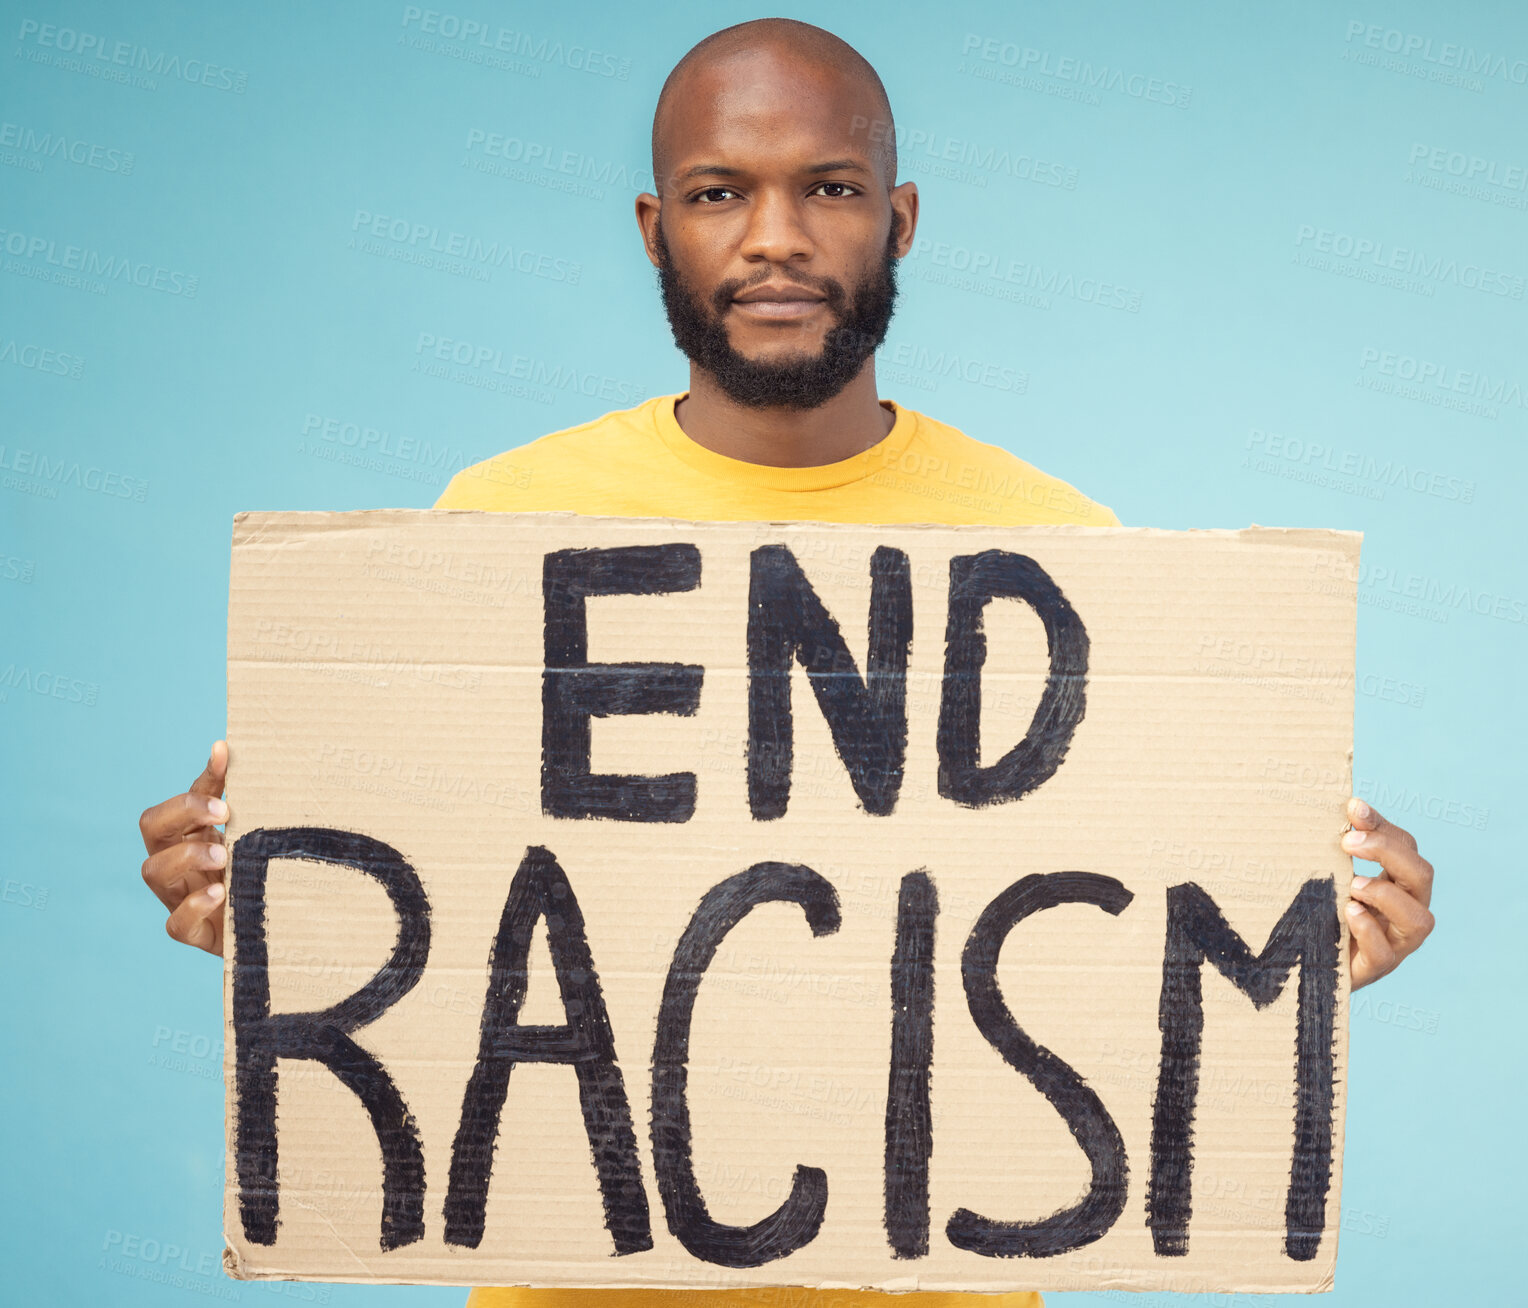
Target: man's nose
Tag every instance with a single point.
(776, 233)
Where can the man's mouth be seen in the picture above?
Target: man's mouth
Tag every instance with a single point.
(778, 301)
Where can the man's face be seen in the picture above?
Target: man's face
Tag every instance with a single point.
(776, 252)
(803, 377)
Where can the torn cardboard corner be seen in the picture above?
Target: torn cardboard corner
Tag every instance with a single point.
(646, 903)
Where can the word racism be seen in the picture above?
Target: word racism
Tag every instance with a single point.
(632, 877)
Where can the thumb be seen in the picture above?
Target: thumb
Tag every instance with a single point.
(1362, 816)
(215, 774)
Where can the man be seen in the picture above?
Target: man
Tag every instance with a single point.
(776, 243)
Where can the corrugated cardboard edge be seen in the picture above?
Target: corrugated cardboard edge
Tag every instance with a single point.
(290, 526)
(235, 1271)
(233, 1265)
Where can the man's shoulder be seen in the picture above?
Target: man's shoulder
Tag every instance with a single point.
(566, 456)
(996, 479)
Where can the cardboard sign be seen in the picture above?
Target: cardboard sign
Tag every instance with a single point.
(629, 902)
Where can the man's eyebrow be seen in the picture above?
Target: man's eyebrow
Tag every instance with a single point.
(723, 170)
(838, 166)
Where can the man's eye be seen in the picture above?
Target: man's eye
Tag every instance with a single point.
(836, 189)
(714, 194)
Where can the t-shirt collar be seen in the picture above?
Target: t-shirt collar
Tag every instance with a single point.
(883, 454)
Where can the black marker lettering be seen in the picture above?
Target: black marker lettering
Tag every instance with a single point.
(573, 690)
(868, 718)
(1090, 1123)
(975, 580)
(796, 1222)
(261, 1037)
(1307, 934)
(541, 890)
(909, 1118)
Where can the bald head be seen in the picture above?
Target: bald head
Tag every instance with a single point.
(779, 56)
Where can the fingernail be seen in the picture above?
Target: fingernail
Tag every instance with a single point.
(1361, 811)
(1360, 882)
(1355, 910)
(217, 855)
(215, 892)
(218, 809)
(1354, 839)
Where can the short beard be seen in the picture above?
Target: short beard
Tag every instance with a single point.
(799, 381)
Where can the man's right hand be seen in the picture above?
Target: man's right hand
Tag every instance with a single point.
(187, 856)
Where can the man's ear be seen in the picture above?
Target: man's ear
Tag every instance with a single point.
(648, 206)
(904, 200)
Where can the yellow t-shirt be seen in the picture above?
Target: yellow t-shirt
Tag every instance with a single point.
(639, 463)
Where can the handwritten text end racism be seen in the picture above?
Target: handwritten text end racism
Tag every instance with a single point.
(866, 713)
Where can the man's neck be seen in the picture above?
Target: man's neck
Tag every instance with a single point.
(848, 424)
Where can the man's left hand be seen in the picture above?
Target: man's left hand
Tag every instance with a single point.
(1388, 914)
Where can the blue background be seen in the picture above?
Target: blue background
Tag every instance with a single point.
(1256, 221)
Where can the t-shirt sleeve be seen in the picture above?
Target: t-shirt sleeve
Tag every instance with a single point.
(500, 483)
(458, 493)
